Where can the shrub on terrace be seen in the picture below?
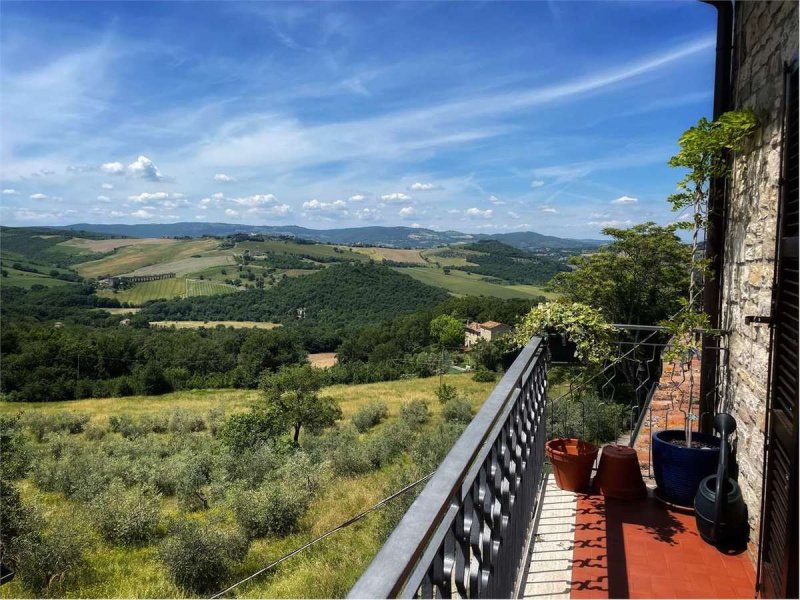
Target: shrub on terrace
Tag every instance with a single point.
(42, 424)
(386, 444)
(272, 509)
(199, 558)
(370, 415)
(50, 551)
(457, 410)
(484, 375)
(415, 413)
(127, 516)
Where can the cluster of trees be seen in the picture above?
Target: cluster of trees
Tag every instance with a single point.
(67, 302)
(511, 264)
(44, 363)
(337, 297)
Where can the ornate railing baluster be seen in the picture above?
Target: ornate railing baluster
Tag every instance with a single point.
(465, 532)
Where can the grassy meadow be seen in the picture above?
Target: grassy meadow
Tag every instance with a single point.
(138, 294)
(145, 253)
(212, 324)
(462, 283)
(327, 569)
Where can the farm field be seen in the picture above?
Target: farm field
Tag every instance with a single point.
(461, 283)
(289, 247)
(212, 324)
(101, 246)
(447, 257)
(136, 256)
(161, 289)
(327, 569)
(392, 254)
(26, 279)
(201, 287)
(322, 360)
(186, 266)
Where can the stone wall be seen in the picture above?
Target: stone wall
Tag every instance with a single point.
(765, 39)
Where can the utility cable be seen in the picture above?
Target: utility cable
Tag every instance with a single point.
(319, 538)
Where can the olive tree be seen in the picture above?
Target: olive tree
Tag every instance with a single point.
(293, 399)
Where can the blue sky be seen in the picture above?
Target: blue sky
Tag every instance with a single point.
(556, 117)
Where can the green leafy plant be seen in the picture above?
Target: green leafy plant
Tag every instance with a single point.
(578, 323)
(704, 152)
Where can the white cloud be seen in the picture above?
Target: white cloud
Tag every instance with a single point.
(625, 200)
(336, 208)
(148, 197)
(407, 211)
(142, 214)
(145, 168)
(549, 209)
(424, 187)
(104, 199)
(10, 192)
(395, 197)
(38, 197)
(368, 214)
(537, 183)
(478, 213)
(223, 178)
(107, 186)
(357, 198)
(113, 168)
(495, 200)
(255, 200)
(231, 213)
(513, 215)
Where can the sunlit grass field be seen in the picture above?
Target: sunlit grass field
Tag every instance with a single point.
(137, 256)
(212, 324)
(161, 289)
(327, 569)
(461, 283)
(201, 287)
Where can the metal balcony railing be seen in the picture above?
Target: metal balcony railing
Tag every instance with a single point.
(467, 531)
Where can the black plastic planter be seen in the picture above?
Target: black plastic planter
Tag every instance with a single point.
(678, 469)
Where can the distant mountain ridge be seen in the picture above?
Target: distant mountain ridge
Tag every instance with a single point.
(401, 237)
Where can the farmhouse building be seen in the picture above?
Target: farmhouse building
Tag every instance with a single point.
(489, 331)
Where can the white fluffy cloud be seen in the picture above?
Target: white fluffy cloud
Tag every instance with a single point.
(10, 192)
(407, 211)
(252, 201)
(625, 200)
(424, 187)
(231, 213)
(103, 199)
(549, 209)
(38, 197)
(537, 183)
(513, 215)
(142, 213)
(368, 214)
(395, 197)
(495, 200)
(113, 168)
(223, 178)
(107, 186)
(149, 197)
(144, 168)
(337, 207)
(478, 213)
(357, 198)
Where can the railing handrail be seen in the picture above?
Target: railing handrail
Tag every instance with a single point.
(388, 573)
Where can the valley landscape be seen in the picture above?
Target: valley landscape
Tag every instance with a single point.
(148, 389)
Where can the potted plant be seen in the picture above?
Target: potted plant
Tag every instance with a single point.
(683, 458)
(572, 461)
(575, 332)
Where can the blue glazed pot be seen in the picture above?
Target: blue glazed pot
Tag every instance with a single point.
(679, 470)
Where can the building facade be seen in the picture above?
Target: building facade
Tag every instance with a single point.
(488, 331)
(758, 279)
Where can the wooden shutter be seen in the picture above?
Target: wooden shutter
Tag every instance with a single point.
(778, 574)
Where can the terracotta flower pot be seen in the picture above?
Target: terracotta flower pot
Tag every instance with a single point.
(572, 461)
(618, 474)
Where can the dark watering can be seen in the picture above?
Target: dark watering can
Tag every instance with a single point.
(720, 511)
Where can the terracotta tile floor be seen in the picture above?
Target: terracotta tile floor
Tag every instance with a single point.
(642, 549)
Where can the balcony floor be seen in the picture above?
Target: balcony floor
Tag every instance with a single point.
(590, 547)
